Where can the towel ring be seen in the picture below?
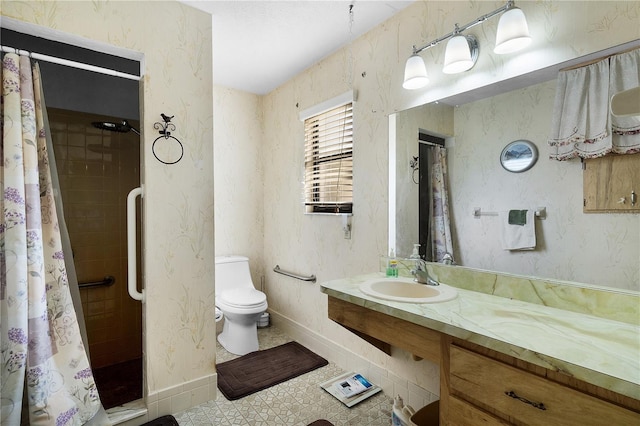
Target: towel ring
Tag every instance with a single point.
(165, 133)
(153, 149)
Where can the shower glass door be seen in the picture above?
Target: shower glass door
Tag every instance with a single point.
(97, 169)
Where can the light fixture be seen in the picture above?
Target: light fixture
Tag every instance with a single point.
(461, 54)
(415, 73)
(513, 32)
(462, 50)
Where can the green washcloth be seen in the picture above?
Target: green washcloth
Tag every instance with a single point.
(517, 217)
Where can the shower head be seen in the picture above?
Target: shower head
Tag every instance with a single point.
(122, 127)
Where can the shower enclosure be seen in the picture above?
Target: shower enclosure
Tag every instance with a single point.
(97, 168)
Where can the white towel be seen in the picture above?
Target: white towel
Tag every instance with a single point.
(518, 237)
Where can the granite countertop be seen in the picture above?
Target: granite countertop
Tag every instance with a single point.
(596, 350)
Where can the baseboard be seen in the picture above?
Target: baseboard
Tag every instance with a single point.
(179, 398)
(391, 384)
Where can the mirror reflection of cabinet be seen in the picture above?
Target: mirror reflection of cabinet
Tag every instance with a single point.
(612, 184)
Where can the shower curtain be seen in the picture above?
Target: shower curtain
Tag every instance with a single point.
(440, 222)
(41, 344)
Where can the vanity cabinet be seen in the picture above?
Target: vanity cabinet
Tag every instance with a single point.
(609, 181)
(480, 386)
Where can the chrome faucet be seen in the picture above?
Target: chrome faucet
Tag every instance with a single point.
(421, 274)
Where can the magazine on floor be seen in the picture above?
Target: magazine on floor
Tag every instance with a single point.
(350, 388)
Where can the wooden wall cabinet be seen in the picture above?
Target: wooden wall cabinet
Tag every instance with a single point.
(609, 182)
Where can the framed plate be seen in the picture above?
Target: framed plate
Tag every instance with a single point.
(519, 156)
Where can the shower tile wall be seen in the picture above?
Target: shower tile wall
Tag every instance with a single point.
(97, 169)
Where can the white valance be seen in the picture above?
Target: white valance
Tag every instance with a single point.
(581, 124)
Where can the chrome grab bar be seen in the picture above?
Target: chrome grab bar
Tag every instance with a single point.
(311, 278)
(107, 281)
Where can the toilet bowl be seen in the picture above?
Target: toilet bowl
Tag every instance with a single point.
(219, 321)
(240, 303)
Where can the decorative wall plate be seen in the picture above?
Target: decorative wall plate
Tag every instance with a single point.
(519, 156)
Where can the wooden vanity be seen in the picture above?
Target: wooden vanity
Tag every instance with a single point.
(479, 385)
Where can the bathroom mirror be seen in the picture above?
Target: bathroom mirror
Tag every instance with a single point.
(476, 128)
(519, 156)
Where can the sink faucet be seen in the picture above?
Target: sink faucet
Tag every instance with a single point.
(421, 274)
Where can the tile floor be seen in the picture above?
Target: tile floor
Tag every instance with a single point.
(296, 402)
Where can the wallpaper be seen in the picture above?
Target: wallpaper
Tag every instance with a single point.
(238, 175)
(179, 328)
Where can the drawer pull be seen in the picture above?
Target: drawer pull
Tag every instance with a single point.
(538, 405)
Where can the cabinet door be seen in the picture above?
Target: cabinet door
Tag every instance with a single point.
(609, 181)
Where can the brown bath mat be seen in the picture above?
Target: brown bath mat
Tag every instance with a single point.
(259, 370)
(163, 421)
(321, 422)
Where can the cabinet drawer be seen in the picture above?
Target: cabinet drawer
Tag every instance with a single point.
(462, 413)
(524, 398)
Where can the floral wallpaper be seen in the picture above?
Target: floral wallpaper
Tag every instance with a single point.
(175, 40)
(238, 174)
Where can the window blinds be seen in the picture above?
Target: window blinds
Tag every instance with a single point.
(328, 161)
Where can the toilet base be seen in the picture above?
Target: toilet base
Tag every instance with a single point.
(239, 339)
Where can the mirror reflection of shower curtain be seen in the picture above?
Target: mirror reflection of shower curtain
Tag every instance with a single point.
(440, 217)
(434, 223)
(41, 340)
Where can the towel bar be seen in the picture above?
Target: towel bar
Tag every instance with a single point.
(311, 278)
(541, 213)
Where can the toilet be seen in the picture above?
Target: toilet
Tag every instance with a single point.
(240, 303)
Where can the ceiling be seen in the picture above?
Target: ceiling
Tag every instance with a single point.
(259, 45)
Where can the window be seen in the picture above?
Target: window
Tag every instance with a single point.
(328, 161)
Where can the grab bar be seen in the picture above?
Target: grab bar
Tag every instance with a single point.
(311, 278)
(107, 281)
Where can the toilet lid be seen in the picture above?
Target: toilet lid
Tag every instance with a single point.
(243, 297)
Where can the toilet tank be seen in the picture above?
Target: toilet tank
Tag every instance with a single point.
(232, 272)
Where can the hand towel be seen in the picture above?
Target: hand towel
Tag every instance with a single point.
(518, 237)
(517, 217)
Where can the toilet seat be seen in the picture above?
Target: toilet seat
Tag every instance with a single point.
(242, 298)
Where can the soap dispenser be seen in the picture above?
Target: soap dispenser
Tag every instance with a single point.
(416, 252)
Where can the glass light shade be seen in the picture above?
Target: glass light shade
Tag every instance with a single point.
(513, 32)
(415, 73)
(461, 54)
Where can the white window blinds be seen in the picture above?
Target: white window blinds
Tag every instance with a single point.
(328, 161)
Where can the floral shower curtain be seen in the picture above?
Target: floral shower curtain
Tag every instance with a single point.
(440, 222)
(41, 345)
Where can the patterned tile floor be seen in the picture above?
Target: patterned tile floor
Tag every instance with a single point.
(297, 402)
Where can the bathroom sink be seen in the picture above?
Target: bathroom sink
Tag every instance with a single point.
(407, 290)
